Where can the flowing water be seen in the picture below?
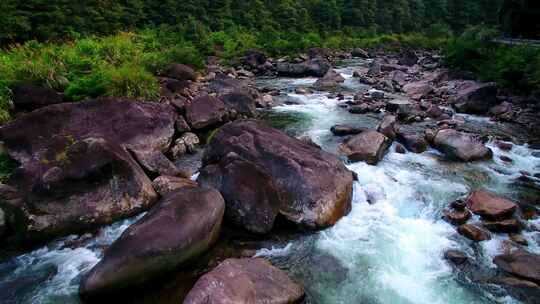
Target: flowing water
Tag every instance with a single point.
(389, 249)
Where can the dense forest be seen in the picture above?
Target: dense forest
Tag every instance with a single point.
(58, 19)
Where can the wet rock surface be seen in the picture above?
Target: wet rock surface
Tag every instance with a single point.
(461, 146)
(251, 197)
(490, 206)
(314, 186)
(245, 281)
(369, 146)
(193, 214)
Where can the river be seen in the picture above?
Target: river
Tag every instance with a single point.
(388, 250)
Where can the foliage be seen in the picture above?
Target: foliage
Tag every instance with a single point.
(78, 48)
(7, 165)
(515, 67)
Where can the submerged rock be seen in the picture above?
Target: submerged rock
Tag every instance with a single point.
(183, 225)
(253, 281)
(369, 146)
(251, 197)
(314, 187)
(461, 146)
(490, 206)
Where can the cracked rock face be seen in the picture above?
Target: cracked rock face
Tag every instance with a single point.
(75, 172)
(314, 188)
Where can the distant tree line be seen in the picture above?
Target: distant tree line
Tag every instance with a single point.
(60, 19)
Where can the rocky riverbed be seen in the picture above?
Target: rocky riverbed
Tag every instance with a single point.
(326, 178)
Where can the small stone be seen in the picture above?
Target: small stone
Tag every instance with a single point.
(166, 184)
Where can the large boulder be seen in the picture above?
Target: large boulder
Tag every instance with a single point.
(314, 187)
(240, 101)
(369, 146)
(74, 169)
(30, 97)
(330, 80)
(476, 98)
(181, 72)
(182, 226)
(520, 263)
(474, 233)
(255, 204)
(135, 125)
(316, 67)
(74, 186)
(461, 146)
(413, 141)
(224, 84)
(525, 291)
(243, 281)
(418, 90)
(490, 206)
(205, 111)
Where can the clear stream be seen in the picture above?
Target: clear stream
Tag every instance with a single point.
(387, 251)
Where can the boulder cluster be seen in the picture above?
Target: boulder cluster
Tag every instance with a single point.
(87, 164)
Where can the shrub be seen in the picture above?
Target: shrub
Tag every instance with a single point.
(132, 81)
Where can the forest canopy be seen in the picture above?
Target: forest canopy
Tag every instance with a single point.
(57, 19)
